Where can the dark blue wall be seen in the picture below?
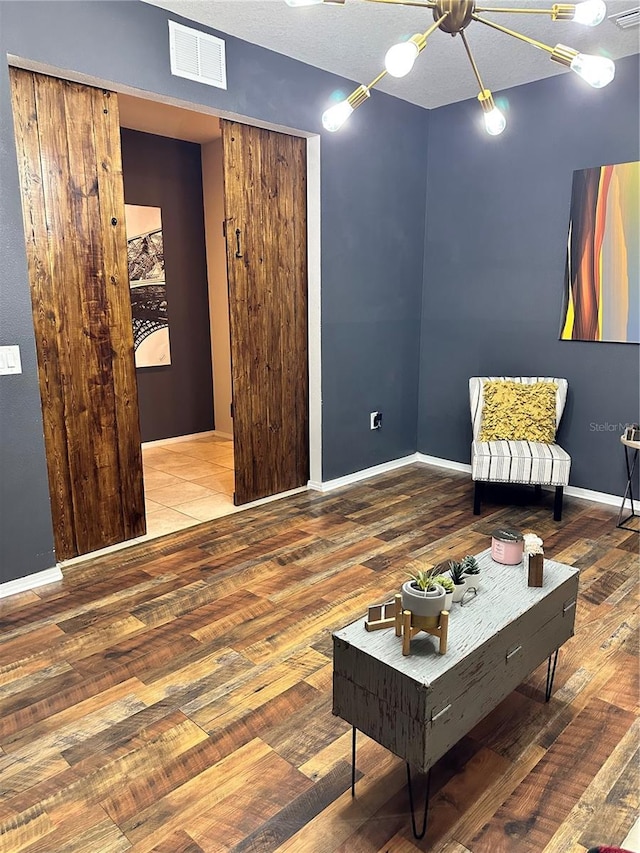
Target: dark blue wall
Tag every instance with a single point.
(26, 532)
(496, 236)
(373, 196)
(370, 333)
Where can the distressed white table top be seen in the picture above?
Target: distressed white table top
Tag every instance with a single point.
(503, 597)
(629, 442)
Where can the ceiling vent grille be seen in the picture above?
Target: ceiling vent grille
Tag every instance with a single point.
(197, 56)
(625, 20)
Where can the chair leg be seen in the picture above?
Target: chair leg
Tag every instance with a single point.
(557, 504)
(477, 497)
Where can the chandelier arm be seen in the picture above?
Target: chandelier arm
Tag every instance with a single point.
(425, 35)
(377, 79)
(429, 4)
(553, 11)
(472, 60)
(540, 45)
(494, 121)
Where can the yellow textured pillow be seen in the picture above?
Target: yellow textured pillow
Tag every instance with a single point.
(516, 412)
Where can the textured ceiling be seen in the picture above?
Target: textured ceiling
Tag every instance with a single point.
(351, 41)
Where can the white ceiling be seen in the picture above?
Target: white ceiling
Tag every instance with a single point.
(351, 41)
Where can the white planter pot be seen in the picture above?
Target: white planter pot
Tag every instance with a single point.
(448, 600)
(422, 603)
(460, 590)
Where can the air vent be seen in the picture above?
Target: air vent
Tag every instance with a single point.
(197, 56)
(625, 20)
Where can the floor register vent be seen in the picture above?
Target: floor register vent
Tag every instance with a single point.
(197, 56)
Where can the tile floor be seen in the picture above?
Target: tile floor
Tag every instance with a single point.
(187, 482)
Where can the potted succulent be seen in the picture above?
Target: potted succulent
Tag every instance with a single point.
(422, 595)
(457, 572)
(449, 588)
(472, 571)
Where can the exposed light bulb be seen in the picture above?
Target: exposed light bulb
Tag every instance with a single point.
(590, 13)
(598, 71)
(335, 116)
(494, 122)
(302, 2)
(400, 58)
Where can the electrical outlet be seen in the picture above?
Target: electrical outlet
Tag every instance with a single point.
(375, 420)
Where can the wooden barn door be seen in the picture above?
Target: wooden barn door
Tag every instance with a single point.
(68, 145)
(265, 191)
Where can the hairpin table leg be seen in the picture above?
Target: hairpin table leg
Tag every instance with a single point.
(628, 492)
(426, 805)
(551, 671)
(353, 761)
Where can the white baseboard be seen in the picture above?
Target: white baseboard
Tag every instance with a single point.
(598, 497)
(176, 439)
(329, 485)
(270, 499)
(443, 463)
(571, 491)
(451, 465)
(218, 434)
(30, 581)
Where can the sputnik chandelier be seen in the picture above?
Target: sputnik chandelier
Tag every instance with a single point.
(453, 17)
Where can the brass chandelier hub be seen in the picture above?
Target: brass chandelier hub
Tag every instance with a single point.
(460, 13)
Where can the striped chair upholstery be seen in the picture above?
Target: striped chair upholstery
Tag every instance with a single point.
(529, 462)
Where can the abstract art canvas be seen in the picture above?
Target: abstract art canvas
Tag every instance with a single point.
(602, 281)
(145, 252)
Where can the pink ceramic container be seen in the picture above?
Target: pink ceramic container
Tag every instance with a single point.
(506, 546)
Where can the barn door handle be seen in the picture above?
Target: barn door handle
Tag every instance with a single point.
(238, 252)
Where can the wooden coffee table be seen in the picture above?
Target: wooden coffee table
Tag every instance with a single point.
(419, 706)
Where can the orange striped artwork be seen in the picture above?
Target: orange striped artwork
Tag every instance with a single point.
(602, 279)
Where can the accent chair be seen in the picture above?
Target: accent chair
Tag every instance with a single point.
(536, 463)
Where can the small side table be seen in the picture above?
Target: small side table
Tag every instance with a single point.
(634, 446)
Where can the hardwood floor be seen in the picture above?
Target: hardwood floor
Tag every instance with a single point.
(176, 696)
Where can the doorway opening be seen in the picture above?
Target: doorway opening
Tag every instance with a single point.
(249, 188)
(172, 164)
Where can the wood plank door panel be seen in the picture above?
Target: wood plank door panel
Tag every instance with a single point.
(68, 144)
(266, 227)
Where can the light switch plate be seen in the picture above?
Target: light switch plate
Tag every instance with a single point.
(10, 360)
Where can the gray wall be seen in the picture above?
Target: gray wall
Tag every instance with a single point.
(175, 399)
(496, 234)
(373, 192)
